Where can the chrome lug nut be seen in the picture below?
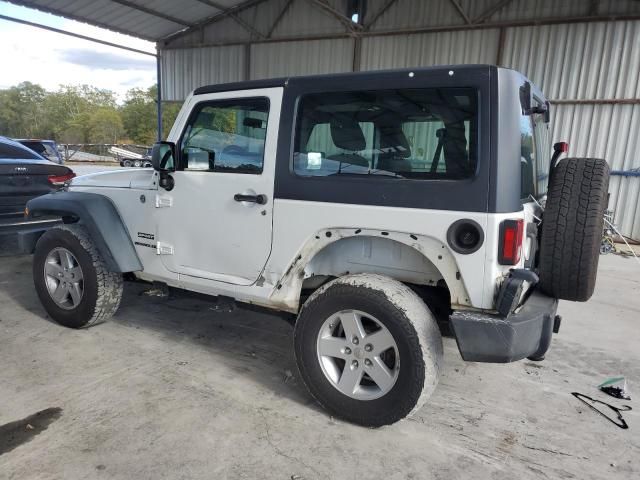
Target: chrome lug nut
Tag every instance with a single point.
(368, 347)
(347, 350)
(367, 362)
(354, 364)
(355, 340)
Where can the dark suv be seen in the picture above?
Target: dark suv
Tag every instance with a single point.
(45, 148)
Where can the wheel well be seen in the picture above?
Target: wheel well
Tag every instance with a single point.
(380, 255)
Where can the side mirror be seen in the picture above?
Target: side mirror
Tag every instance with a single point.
(163, 156)
(547, 112)
(525, 98)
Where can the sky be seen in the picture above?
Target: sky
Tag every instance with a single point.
(52, 59)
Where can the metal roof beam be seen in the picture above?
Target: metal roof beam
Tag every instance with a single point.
(76, 35)
(427, 29)
(461, 11)
(213, 19)
(279, 18)
(328, 9)
(152, 12)
(248, 27)
(490, 11)
(379, 13)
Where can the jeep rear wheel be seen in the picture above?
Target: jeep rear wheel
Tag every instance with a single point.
(72, 280)
(572, 228)
(368, 349)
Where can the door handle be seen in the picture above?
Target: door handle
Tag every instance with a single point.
(259, 199)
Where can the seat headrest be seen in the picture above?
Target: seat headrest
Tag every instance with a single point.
(347, 134)
(393, 140)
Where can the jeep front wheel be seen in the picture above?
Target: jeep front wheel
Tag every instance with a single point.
(368, 349)
(72, 280)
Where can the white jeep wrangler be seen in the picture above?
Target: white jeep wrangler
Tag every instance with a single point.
(377, 207)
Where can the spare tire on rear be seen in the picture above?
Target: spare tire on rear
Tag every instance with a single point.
(572, 228)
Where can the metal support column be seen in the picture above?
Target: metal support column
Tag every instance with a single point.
(159, 90)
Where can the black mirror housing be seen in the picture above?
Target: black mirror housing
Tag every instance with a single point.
(525, 98)
(163, 156)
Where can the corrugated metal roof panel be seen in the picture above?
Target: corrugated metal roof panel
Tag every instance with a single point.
(306, 18)
(131, 20)
(409, 13)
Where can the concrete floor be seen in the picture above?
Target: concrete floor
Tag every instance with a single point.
(175, 389)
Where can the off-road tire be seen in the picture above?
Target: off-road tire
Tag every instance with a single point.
(102, 288)
(412, 326)
(572, 228)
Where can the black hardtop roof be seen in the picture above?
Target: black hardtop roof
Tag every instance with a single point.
(364, 76)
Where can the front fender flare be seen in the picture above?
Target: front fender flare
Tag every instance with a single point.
(100, 217)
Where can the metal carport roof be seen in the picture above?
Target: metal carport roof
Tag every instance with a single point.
(151, 20)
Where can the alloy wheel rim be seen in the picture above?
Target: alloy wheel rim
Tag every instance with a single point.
(358, 355)
(64, 278)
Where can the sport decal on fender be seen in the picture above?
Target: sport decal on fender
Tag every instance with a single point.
(145, 236)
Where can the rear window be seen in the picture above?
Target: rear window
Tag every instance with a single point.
(12, 151)
(43, 148)
(428, 133)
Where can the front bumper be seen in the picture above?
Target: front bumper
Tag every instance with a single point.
(22, 224)
(28, 230)
(494, 338)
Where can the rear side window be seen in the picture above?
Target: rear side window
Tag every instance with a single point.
(535, 155)
(12, 151)
(542, 145)
(527, 159)
(226, 136)
(426, 133)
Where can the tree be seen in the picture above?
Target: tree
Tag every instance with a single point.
(105, 126)
(82, 114)
(21, 110)
(139, 115)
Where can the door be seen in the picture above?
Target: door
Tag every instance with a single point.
(216, 221)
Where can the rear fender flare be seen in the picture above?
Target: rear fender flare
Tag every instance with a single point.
(100, 217)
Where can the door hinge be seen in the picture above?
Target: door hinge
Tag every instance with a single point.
(164, 249)
(163, 201)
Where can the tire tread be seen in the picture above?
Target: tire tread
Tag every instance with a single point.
(572, 228)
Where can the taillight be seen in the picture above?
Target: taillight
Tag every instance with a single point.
(59, 180)
(510, 242)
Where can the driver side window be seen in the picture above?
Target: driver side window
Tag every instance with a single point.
(226, 136)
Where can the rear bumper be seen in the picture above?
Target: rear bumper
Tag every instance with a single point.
(494, 338)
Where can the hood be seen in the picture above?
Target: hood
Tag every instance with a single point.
(140, 178)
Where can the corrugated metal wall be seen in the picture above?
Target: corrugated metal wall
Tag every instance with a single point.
(303, 58)
(571, 61)
(595, 61)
